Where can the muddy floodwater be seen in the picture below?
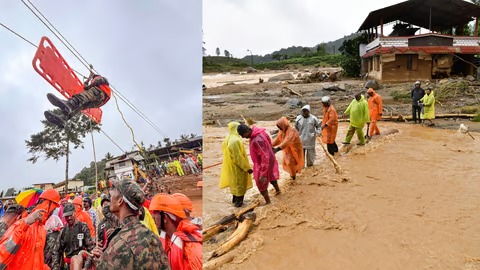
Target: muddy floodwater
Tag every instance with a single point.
(410, 200)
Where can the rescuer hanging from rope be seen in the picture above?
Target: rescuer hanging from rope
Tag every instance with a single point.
(96, 93)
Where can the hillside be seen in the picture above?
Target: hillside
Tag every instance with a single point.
(330, 47)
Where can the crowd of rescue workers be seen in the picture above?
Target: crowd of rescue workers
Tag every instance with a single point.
(123, 227)
(297, 142)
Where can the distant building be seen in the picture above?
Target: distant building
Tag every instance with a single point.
(74, 185)
(44, 186)
(122, 166)
(404, 56)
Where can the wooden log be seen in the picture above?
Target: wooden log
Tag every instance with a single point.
(292, 92)
(213, 230)
(402, 118)
(335, 164)
(216, 263)
(231, 218)
(237, 236)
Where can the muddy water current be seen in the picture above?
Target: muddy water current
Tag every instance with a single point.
(409, 200)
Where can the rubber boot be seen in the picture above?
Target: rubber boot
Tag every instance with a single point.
(239, 201)
(65, 106)
(265, 196)
(57, 120)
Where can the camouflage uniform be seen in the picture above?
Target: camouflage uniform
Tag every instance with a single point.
(50, 246)
(133, 246)
(107, 226)
(68, 242)
(14, 209)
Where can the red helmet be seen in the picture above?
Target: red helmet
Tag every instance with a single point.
(78, 201)
(51, 195)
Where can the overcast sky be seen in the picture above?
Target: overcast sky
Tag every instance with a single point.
(150, 50)
(268, 25)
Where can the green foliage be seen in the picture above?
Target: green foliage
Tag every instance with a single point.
(317, 61)
(476, 118)
(52, 141)
(223, 64)
(450, 90)
(87, 174)
(470, 109)
(401, 95)
(351, 64)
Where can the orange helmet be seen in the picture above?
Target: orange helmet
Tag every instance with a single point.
(78, 201)
(51, 195)
(167, 203)
(184, 201)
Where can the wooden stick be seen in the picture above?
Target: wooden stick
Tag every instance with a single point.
(470, 135)
(335, 164)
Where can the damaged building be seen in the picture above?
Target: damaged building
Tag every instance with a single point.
(407, 55)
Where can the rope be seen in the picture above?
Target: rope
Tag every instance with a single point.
(82, 60)
(125, 121)
(94, 158)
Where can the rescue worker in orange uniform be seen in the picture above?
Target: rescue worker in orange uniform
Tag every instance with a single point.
(188, 208)
(22, 244)
(180, 238)
(375, 107)
(289, 141)
(83, 216)
(329, 125)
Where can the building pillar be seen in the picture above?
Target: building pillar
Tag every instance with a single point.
(381, 27)
(476, 27)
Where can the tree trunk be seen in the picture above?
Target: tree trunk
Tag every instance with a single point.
(66, 167)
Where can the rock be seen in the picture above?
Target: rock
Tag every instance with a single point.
(371, 84)
(332, 87)
(250, 70)
(444, 81)
(470, 78)
(282, 77)
(332, 92)
(294, 103)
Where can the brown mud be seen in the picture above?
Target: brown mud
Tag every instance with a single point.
(408, 200)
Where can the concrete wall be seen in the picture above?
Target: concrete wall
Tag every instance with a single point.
(394, 67)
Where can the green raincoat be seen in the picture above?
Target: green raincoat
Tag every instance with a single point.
(358, 111)
(235, 164)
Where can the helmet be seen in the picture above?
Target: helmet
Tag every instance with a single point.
(184, 201)
(72, 194)
(417, 82)
(325, 99)
(51, 195)
(78, 201)
(167, 203)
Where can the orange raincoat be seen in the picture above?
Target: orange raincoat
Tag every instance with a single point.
(184, 250)
(22, 246)
(375, 107)
(85, 217)
(289, 141)
(330, 118)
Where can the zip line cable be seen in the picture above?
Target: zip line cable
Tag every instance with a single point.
(6, 27)
(86, 64)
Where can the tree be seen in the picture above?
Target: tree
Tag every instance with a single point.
(159, 144)
(227, 53)
(217, 51)
(184, 138)
(276, 56)
(108, 156)
(53, 142)
(351, 64)
(167, 142)
(193, 135)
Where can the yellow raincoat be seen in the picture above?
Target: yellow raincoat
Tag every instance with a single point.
(429, 106)
(359, 114)
(235, 163)
(149, 222)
